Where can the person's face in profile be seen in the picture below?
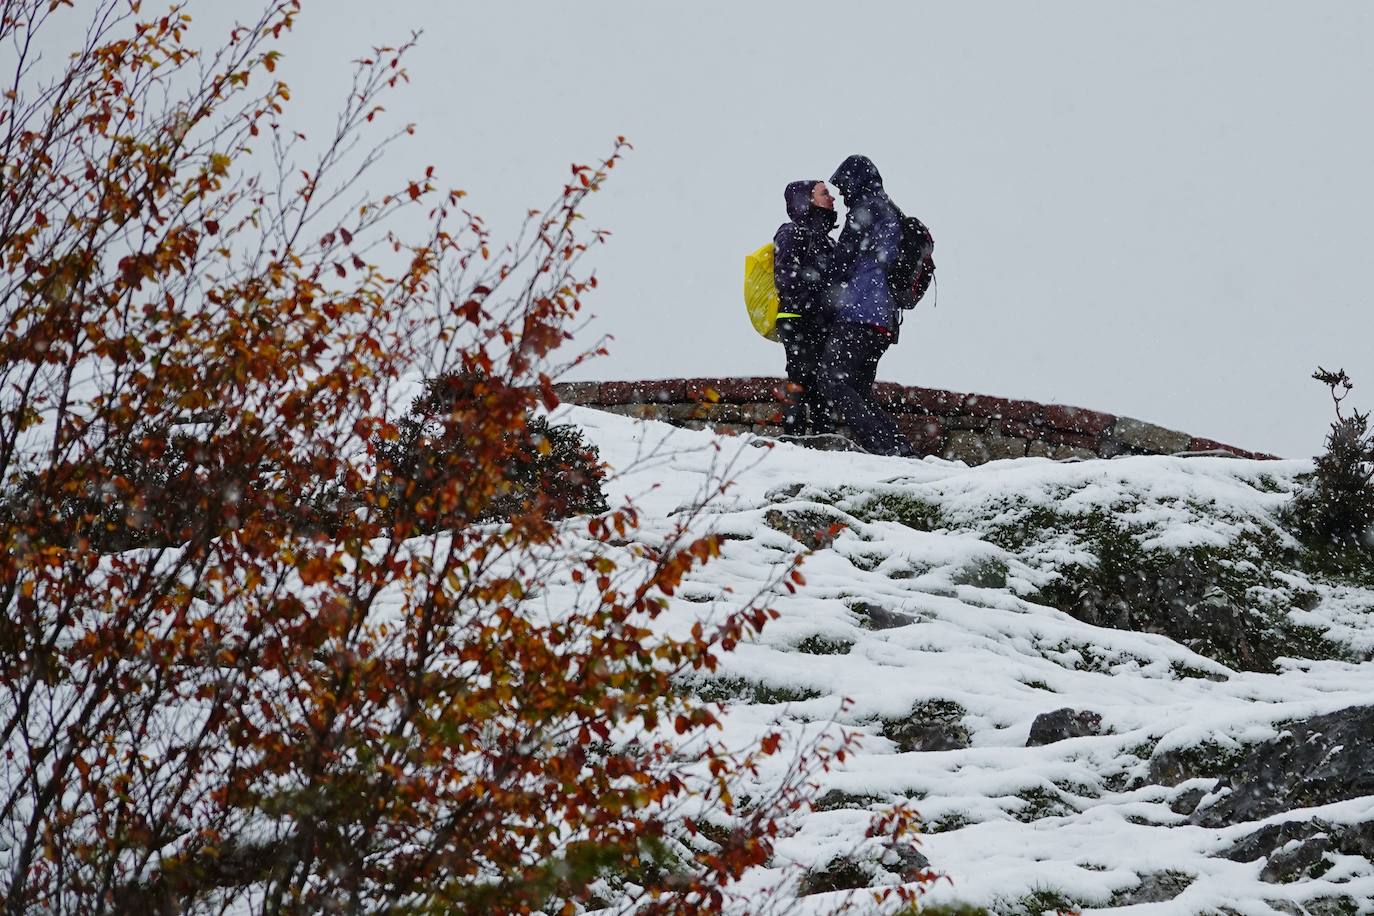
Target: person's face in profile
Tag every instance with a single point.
(820, 196)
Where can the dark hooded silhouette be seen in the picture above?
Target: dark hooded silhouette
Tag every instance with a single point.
(802, 274)
(868, 247)
(803, 255)
(866, 314)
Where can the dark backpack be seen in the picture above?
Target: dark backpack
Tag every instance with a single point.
(911, 276)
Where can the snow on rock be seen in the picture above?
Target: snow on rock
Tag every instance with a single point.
(931, 612)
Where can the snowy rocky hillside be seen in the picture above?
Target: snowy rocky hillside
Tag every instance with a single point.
(1107, 685)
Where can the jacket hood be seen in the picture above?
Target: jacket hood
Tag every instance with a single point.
(798, 198)
(856, 175)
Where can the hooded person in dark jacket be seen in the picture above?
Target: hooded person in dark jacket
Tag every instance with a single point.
(802, 262)
(866, 314)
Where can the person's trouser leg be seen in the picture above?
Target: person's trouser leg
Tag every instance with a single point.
(803, 345)
(851, 364)
(813, 399)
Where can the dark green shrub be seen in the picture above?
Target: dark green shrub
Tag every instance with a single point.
(547, 470)
(158, 488)
(1337, 506)
(192, 483)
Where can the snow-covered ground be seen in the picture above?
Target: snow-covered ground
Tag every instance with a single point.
(1077, 820)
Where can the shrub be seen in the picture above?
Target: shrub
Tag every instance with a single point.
(1337, 506)
(231, 677)
(550, 470)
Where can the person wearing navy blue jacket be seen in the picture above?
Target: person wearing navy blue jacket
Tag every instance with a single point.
(866, 314)
(802, 257)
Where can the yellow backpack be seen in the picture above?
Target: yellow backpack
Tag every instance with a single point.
(760, 295)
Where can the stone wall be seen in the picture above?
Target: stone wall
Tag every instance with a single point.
(968, 427)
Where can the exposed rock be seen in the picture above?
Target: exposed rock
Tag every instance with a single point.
(1156, 887)
(931, 736)
(1297, 849)
(935, 725)
(836, 800)
(1282, 841)
(879, 617)
(1270, 837)
(1293, 862)
(1063, 724)
(1215, 621)
(1319, 906)
(1175, 599)
(839, 874)
(905, 861)
(814, 528)
(844, 873)
(785, 492)
(1186, 802)
(1313, 762)
(1331, 906)
(1180, 764)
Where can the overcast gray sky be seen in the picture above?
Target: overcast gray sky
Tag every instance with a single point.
(1156, 209)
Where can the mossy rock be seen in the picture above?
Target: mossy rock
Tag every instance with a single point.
(945, 909)
(840, 874)
(985, 572)
(947, 822)
(932, 725)
(1040, 803)
(865, 562)
(903, 509)
(1037, 903)
(1156, 887)
(877, 617)
(1201, 597)
(820, 644)
(1229, 603)
(1338, 564)
(1310, 762)
(836, 800)
(1332, 906)
(1208, 759)
(814, 528)
(730, 690)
